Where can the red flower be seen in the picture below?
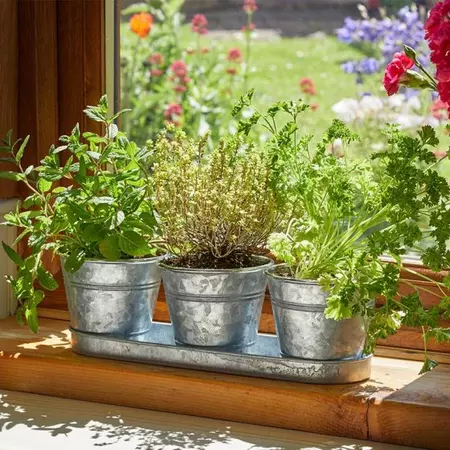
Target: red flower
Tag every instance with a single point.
(199, 24)
(141, 24)
(157, 59)
(396, 72)
(439, 44)
(250, 6)
(231, 71)
(437, 32)
(156, 72)
(234, 55)
(307, 86)
(439, 14)
(174, 109)
(179, 68)
(179, 88)
(314, 106)
(248, 28)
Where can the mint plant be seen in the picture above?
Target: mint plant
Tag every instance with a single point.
(341, 217)
(96, 205)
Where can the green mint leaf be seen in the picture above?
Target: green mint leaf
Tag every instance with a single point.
(428, 364)
(44, 185)
(8, 175)
(133, 244)
(13, 255)
(21, 150)
(109, 248)
(32, 318)
(75, 260)
(46, 279)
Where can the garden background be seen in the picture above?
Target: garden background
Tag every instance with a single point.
(200, 56)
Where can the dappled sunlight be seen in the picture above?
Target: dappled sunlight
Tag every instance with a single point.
(55, 341)
(74, 425)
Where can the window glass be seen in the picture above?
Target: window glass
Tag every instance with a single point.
(188, 62)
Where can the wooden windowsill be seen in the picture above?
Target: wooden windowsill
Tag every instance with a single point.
(395, 406)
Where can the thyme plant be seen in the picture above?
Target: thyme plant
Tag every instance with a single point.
(216, 208)
(342, 217)
(96, 204)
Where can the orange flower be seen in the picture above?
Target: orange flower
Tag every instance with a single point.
(141, 24)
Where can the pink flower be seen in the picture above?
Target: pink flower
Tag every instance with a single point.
(250, 6)
(231, 71)
(156, 72)
(234, 55)
(173, 110)
(205, 50)
(179, 88)
(314, 106)
(440, 154)
(179, 68)
(199, 24)
(439, 109)
(307, 86)
(396, 72)
(248, 28)
(157, 59)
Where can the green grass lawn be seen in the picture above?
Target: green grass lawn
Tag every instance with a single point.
(278, 65)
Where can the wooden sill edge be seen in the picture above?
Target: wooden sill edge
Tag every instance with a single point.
(395, 406)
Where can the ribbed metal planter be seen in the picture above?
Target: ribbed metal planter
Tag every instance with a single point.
(114, 298)
(215, 307)
(303, 330)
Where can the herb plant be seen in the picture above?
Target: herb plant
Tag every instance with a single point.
(216, 209)
(342, 217)
(95, 205)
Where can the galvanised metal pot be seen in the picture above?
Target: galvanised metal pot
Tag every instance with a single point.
(215, 307)
(114, 298)
(303, 330)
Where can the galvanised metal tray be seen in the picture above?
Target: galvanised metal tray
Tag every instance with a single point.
(260, 360)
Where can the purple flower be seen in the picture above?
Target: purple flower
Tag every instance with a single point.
(366, 66)
(385, 36)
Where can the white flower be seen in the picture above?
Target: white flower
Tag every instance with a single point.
(396, 100)
(370, 104)
(414, 103)
(406, 121)
(347, 109)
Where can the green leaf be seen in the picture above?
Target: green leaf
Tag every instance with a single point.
(428, 364)
(102, 200)
(8, 175)
(94, 155)
(117, 219)
(21, 150)
(46, 279)
(32, 318)
(93, 233)
(133, 244)
(109, 248)
(75, 260)
(44, 185)
(13, 255)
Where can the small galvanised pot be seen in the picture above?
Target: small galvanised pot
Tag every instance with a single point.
(302, 328)
(217, 308)
(114, 298)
